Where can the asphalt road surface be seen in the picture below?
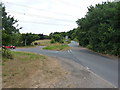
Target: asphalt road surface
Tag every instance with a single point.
(103, 66)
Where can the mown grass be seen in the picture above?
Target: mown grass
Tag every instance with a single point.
(57, 47)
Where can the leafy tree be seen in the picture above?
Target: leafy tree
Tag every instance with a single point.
(42, 36)
(10, 32)
(57, 37)
(99, 29)
(28, 38)
(72, 34)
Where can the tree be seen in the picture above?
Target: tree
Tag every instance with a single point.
(57, 37)
(99, 29)
(10, 32)
(72, 34)
(28, 38)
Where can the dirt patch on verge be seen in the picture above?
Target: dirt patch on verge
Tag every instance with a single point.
(42, 73)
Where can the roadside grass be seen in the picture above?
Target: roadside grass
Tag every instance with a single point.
(57, 47)
(27, 56)
(20, 66)
(24, 65)
(52, 46)
(23, 56)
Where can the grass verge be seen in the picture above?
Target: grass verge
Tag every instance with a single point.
(23, 56)
(52, 46)
(26, 70)
(57, 47)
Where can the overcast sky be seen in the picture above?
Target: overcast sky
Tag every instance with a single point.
(46, 16)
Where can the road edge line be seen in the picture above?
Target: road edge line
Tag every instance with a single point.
(88, 69)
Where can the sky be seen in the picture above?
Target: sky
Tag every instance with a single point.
(46, 16)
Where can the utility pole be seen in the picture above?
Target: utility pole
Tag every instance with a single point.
(25, 42)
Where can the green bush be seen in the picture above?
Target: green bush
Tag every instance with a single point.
(61, 41)
(52, 41)
(7, 54)
(56, 37)
(89, 46)
(104, 36)
(69, 40)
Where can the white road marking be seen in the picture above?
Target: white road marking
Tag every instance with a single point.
(100, 77)
(70, 50)
(87, 68)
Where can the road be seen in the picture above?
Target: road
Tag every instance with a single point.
(104, 67)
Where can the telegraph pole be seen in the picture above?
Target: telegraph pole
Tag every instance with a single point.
(25, 42)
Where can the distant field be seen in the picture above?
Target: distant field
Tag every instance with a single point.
(42, 42)
(45, 42)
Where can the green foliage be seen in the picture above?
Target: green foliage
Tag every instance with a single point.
(42, 36)
(72, 34)
(10, 33)
(28, 38)
(7, 54)
(69, 40)
(61, 36)
(62, 41)
(99, 29)
(57, 37)
(52, 41)
(89, 46)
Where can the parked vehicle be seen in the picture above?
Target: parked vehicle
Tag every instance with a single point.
(10, 47)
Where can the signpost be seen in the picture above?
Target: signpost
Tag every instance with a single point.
(66, 38)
